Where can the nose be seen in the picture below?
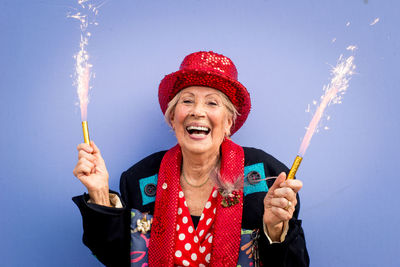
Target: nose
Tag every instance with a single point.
(198, 110)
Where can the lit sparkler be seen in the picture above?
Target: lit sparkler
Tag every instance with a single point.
(333, 94)
(82, 66)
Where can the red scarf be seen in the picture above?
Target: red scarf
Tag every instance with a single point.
(228, 220)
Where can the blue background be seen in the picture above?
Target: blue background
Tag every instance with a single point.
(284, 53)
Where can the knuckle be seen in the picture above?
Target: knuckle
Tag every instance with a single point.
(81, 153)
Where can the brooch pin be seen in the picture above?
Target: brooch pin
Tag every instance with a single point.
(230, 199)
(229, 190)
(143, 225)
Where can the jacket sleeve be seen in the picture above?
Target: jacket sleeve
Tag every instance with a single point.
(292, 251)
(106, 231)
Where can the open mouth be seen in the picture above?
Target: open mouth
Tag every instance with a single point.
(198, 130)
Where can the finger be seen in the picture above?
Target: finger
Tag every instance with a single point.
(83, 154)
(82, 170)
(87, 162)
(85, 166)
(285, 192)
(296, 185)
(280, 179)
(85, 147)
(280, 203)
(282, 214)
(96, 150)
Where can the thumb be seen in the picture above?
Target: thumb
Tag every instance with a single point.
(280, 179)
(96, 150)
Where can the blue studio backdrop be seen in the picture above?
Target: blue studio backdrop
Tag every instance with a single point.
(284, 52)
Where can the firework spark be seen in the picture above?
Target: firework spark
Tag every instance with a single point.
(86, 15)
(351, 47)
(374, 22)
(333, 93)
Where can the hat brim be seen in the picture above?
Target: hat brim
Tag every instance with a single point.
(234, 90)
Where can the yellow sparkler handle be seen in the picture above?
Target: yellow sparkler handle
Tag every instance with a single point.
(294, 168)
(85, 132)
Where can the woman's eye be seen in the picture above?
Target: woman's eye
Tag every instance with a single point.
(213, 103)
(187, 101)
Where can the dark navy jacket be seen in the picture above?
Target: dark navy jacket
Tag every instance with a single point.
(107, 230)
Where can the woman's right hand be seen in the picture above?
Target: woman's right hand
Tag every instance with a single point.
(92, 172)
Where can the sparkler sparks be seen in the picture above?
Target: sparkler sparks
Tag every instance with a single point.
(86, 15)
(333, 93)
(82, 66)
(351, 47)
(374, 22)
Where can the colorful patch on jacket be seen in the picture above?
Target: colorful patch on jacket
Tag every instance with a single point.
(148, 187)
(140, 237)
(254, 179)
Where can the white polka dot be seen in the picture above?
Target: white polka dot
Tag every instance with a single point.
(188, 246)
(208, 257)
(215, 210)
(177, 227)
(164, 186)
(215, 193)
(208, 221)
(181, 236)
(180, 194)
(201, 233)
(208, 235)
(185, 219)
(201, 265)
(185, 263)
(194, 256)
(179, 211)
(202, 217)
(196, 239)
(190, 229)
(185, 203)
(208, 204)
(202, 249)
(210, 239)
(178, 254)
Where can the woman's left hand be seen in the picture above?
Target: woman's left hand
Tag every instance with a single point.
(279, 204)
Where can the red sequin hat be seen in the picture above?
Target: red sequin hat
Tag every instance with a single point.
(212, 70)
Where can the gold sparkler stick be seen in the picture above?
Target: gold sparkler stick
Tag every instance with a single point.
(294, 168)
(85, 132)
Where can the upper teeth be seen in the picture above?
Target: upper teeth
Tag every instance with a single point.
(197, 128)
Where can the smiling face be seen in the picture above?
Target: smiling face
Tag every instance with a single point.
(200, 120)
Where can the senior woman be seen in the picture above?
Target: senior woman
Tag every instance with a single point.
(204, 202)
